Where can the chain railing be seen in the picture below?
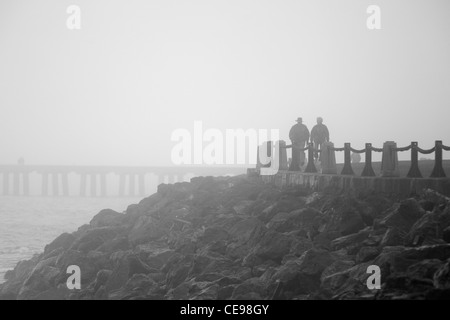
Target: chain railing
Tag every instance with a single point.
(389, 165)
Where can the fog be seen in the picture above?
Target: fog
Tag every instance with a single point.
(113, 92)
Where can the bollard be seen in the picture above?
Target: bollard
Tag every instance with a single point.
(389, 161)
(414, 171)
(283, 163)
(310, 168)
(368, 170)
(438, 170)
(295, 160)
(347, 170)
(328, 161)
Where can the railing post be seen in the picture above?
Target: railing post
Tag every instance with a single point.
(438, 170)
(295, 159)
(310, 168)
(328, 161)
(389, 161)
(347, 170)
(283, 163)
(368, 170)
(414, 171)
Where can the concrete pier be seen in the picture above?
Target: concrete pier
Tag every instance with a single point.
(56, 180)
(337, 183)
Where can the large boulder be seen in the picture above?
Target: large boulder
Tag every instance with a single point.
(63, 241)
(402, 215)
(146, 229)
(429, 229)
(307, 219)
(273, 246)
(91, 239)
(106, 218)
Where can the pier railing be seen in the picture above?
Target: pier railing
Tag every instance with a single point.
(389, 164)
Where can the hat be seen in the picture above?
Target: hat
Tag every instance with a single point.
(299, 119)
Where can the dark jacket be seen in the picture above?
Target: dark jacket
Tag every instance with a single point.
(299, 133)
(319, 133)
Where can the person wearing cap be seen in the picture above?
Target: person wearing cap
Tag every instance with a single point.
(319, 135)
(299, 135)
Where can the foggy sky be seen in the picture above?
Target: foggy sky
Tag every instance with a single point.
(113, 92)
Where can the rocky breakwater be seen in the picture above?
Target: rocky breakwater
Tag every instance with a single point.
(237, 238)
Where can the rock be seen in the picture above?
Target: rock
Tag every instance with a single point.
(254, 285)
(347, 284)
(336, 267)
(42, 278)
(430, 228)
(146, 229)
(244, 235)
(306, 219)
(214, 234)
(350, 222)
(287, 204)
(354, 240)
(403, 215)
(136, 287)
(94, 238)
(441, 278)
(300, 246)
(393, 237)
(366, 254)
(119, 243)
(301, 276)
(125, 268)
(273, 246)
(64, 241)
(107, 218)
(446, 235)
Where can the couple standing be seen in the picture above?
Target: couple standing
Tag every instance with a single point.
(299, 135)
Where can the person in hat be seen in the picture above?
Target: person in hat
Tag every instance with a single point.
(319, 135)
(299, 135)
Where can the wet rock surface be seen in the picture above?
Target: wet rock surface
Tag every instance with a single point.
(237, 238)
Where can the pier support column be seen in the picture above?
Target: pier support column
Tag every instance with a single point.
(122, 182)
(16, 182)
(6, 183)
(83, 185)
(65, 184)
(93, 185)
(141, 179)
(103, 184)
(132, 185)
(55, 184)
(45, 184)
(26, 184)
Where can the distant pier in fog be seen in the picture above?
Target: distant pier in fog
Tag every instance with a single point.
(93, 180)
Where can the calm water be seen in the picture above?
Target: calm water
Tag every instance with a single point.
(28, 224)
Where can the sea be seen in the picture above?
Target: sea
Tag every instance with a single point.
(27, 224)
